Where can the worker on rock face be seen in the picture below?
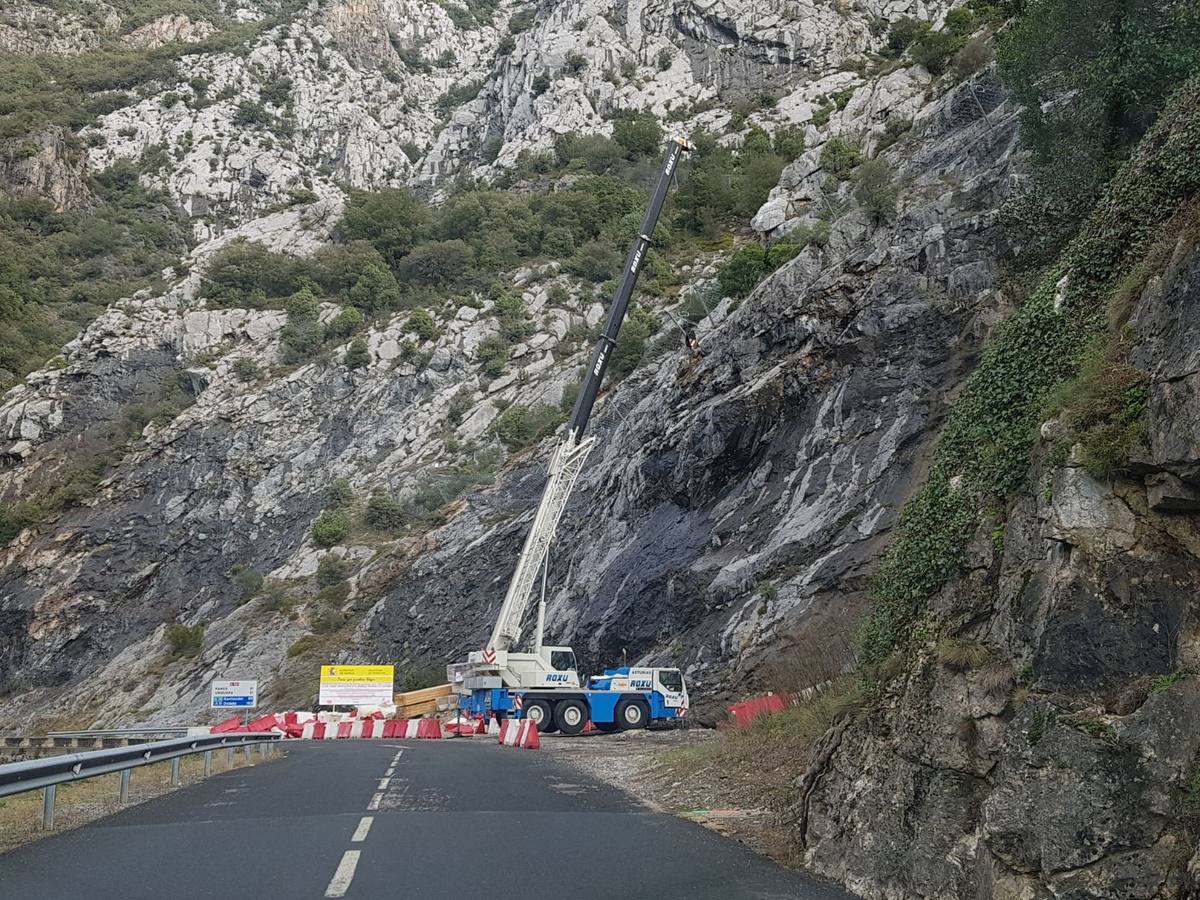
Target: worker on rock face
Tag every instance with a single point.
(690, 341)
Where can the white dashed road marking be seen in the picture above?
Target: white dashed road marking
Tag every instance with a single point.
(390, 772)
(375, 801)
(360, 833)
(344, 875)
(383, 783)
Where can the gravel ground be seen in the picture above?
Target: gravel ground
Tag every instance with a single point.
(634, 762)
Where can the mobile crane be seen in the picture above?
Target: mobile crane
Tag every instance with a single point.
(543, 684)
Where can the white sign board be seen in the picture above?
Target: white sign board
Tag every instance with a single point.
(356, 685)
(239, 694)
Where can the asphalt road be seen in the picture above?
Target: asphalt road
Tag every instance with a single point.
(396, 819)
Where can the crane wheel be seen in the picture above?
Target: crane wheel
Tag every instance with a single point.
(538, 712)
(571, 716)
(632, 714)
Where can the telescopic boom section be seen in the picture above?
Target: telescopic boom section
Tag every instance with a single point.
(590, 388)
(568, 459)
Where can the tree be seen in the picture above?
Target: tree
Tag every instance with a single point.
(344, 324)
(421, 323)
(839, 157)
(439, 263)
(639, 134)
(1091, 76)
(595, 261)
(743, 272)
(330, 528)
(375, 290)
(357, 354)
(876, 189)
(391, 219)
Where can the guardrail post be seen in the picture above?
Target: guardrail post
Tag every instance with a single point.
(124, 796)
(48, 793)
(175, 771)
(262, 751)
(207, 763)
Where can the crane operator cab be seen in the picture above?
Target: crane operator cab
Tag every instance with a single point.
(667, 683)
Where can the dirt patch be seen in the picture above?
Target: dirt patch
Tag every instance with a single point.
(738, 783)
(81, 802)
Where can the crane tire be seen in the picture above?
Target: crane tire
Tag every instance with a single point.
(571, 716)
(632, 714)
(545, 723)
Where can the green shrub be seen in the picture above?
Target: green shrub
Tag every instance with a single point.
(743, 272)
(789, 143)
(384, 513)
(331, 570)
(344, 324)
(903, 32)
(185, 640)
(595, 261)
(975, 56)
(1090, 78)
(934, 49)
(493, 353)
(1104, 408)
(357, 355)
(250, 113)
(249, 582)
(558, 243)
(839, 157)
(664, 58)
(15, 518)
(246, 370)
(519, 426)
(421, 323)
(392, 220)
(331, 528)
(339, 494)
(876, 190)
(639, 134)
(509, 310)
(521, 21)
(575, 62)
(375, 290)
(639, 327)
(302, 337)
(438, 263)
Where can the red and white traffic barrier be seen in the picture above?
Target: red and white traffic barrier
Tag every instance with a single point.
(520, 733)
(332, 726)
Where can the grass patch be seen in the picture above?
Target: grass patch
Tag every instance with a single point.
(984, 453)
(760, 764)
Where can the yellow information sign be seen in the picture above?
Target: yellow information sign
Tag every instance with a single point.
(356, 685)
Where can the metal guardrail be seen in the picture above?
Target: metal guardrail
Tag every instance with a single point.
(120, 732)
(47, 774)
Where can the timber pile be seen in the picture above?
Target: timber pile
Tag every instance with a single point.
(425, 702)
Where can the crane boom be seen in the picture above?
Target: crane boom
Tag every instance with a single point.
(568, 459)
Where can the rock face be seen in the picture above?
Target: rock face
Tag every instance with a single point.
(47, 166)
(1065, 766)
(738, 494)
(734, 496)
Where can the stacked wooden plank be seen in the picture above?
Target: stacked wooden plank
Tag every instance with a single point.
(425, 702)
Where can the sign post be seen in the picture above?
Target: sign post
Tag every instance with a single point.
(357, 685)
(234, 695)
